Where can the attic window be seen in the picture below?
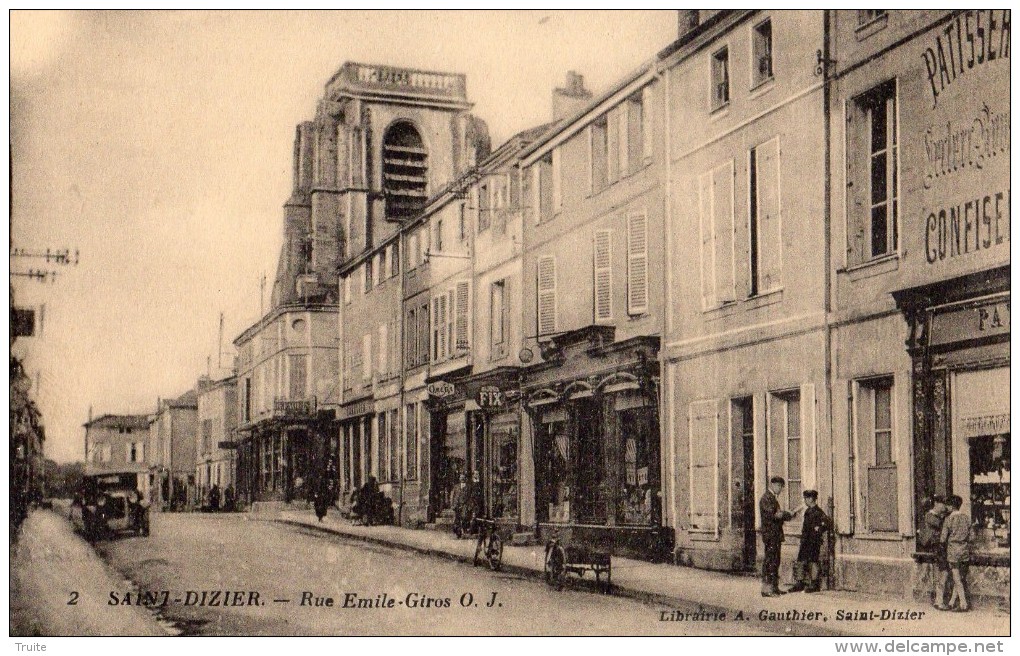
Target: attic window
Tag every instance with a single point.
(405, 164)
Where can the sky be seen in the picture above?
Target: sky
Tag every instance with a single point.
(159, 145)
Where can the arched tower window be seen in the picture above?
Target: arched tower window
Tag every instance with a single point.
(405, 164)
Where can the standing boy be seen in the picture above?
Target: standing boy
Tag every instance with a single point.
(956, 538)
(816, 526)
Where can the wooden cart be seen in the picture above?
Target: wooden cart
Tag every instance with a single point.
(563, 557)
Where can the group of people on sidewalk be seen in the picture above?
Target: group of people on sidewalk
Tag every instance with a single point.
(807, 570)
(214, 500)
(946, 532)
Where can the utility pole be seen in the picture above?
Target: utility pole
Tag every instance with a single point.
(219, 345)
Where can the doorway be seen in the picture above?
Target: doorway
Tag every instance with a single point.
(742, 416)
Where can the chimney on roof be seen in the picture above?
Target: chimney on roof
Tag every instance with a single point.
(687, 20)
(571, 98)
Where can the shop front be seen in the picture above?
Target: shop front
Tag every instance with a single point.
(594, 409)
(959, 346)
(476, 428)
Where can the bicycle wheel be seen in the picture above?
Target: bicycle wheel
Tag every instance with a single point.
(555, 566)
(495, 552)
(479, 548)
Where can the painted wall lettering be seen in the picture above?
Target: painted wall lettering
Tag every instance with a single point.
(972, 38)
(957, 145)
(968, 227)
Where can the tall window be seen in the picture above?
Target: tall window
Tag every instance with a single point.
(298, 376)
(761, 44)
(720, 78)
(876, 448)
(411, 441)
(246, 392)
(368, 275)
(872, 175)
(786, 448)
(366, 358)
(206, 436)
(764, 224)
(382, 439)
(599, 154)
(405, 165)
(544, 187)
(394, 444)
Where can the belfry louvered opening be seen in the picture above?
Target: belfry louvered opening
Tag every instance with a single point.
(405, 168)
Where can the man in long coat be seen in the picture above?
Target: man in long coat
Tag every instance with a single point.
(772, 519)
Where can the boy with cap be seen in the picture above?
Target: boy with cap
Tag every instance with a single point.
(816, 526)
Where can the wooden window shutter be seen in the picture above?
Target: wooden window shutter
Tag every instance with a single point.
(613, 147)
(707, 241)
(808, 443)
(646, 120)
(770, 242)
(384, 346)
(557, 179)
(461, 327)
(366, 357)
(603, 272)
(703, 462)
(546, 295)
(637, 264)
(722, 209)
(624, 149)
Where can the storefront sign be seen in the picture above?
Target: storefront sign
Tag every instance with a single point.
(441, 389)
(490, 396)
(963, 143)
(974, 38)
(968, 227)
(970, 322)
(985, 425)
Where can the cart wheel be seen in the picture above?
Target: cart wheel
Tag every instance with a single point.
(479, 548)
(495, 552)
(555, 561)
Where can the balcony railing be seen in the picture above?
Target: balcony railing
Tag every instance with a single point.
(288, 408)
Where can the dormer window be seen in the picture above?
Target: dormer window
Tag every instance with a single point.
(405, 165)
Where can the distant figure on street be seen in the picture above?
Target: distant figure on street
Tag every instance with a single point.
(772, 519)
(956, 538)
(808, 569)
(229, 498)
(929, 538)
(460, 502)
(214, 498)
(321, 504)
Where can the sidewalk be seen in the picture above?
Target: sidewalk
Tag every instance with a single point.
(669, 586)
(48, 564)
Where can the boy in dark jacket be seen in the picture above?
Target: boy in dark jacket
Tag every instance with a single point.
(816, 526)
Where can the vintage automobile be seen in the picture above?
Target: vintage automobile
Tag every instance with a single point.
(109, 504)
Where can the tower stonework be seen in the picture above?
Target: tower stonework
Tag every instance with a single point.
(383, 140)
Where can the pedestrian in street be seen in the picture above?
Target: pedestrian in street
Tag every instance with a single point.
(228, 498)
(214, 498)
(929, 538)
(772, 519)
(459, 503)
(321, 504)
(808, 568)
(956, 538)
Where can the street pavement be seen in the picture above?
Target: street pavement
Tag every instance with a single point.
(49, 564)
(828, 613)
(238, 552)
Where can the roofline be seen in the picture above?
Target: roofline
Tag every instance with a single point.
(576, 121)
(273, 313)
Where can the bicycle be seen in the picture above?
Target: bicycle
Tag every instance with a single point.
(490, 544)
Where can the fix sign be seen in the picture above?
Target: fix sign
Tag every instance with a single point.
(490, 396)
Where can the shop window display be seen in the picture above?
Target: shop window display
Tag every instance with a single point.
(989, 490)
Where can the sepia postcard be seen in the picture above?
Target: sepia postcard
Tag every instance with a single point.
(511, 323)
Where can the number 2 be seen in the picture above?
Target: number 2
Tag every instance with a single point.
(73, 601)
